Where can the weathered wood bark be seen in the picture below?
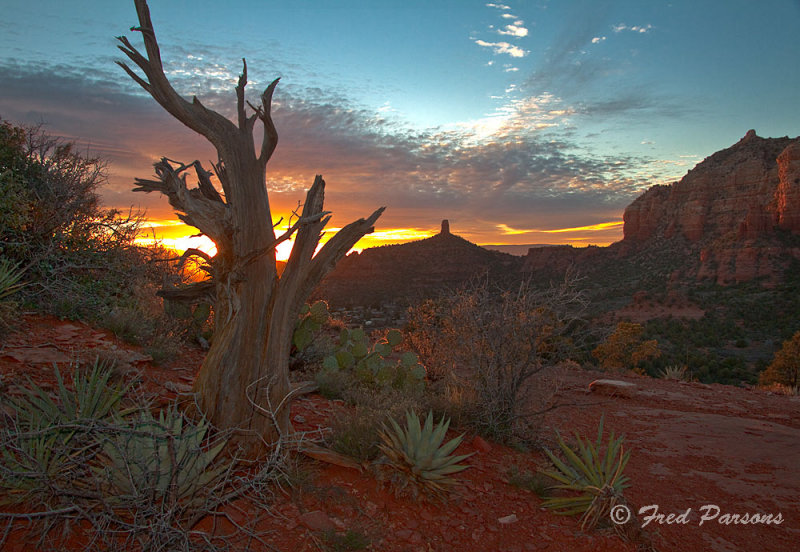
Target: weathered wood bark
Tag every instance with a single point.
(243, 383)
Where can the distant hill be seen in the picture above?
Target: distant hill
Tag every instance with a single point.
(410, 271)
(732, 219)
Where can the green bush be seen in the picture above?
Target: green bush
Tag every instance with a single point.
(785, 367)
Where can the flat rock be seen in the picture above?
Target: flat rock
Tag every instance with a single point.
(613, 388)
(37, 355)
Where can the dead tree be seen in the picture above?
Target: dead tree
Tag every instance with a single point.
(243, 383)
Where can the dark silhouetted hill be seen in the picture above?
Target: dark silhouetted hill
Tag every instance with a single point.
(410, 271)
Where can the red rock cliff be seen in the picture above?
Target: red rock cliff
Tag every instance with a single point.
(740, 193)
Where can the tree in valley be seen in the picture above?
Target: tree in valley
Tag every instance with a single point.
(785, 366)
(625, 349)
(243, 384)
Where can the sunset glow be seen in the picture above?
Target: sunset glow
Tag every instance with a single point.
(524, 122)
(177, 235)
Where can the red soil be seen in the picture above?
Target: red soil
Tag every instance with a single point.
(691, 445)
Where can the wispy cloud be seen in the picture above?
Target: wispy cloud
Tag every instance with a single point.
(498, 6)
(633, 28)
(503, 48)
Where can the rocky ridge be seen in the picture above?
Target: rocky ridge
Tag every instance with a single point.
(729, 220)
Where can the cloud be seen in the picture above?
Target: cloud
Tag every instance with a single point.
(516, 30)
(518, 165)
(634, 28)
(498, 6)
(503, 48)
(595, 85)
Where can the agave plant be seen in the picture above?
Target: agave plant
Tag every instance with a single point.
(596, 475)
(164, 457)
(417, 455)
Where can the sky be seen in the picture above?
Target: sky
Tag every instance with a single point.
(530, 122)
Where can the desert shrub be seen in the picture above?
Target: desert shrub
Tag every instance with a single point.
(785, 366)
(355, 433)
(10, 284)
(625, 349)
(81, 261)
(493, 351)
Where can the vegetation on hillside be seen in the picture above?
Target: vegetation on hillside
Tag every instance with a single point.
(77, 259)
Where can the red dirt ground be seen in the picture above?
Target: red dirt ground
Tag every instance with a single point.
(692, 445)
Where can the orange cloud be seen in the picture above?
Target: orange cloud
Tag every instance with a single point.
(590, 228)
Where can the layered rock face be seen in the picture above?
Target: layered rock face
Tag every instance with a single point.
(742, 192)
(727, 210)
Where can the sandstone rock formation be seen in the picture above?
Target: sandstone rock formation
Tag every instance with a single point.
(727, 218)
(740, 193)
(733, 218)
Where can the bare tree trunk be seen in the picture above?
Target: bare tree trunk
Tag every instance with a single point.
(243, 383)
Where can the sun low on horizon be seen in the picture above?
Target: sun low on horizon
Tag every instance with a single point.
(174, 234)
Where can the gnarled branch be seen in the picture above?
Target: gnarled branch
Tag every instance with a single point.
(202, 207)
(217, 129)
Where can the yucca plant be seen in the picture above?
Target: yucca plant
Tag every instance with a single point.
(33, 464)
(674, 372)
(416, 453)
(49, 441)
(596, 475)
(10, 275)
(93, 398)
(162, 458)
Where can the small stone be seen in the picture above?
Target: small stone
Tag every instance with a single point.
(506, 520)
(317, 521)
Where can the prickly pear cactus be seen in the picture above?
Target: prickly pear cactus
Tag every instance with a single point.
(311, 320)
(379, 364)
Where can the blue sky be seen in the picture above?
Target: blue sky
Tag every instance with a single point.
(512, 120)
